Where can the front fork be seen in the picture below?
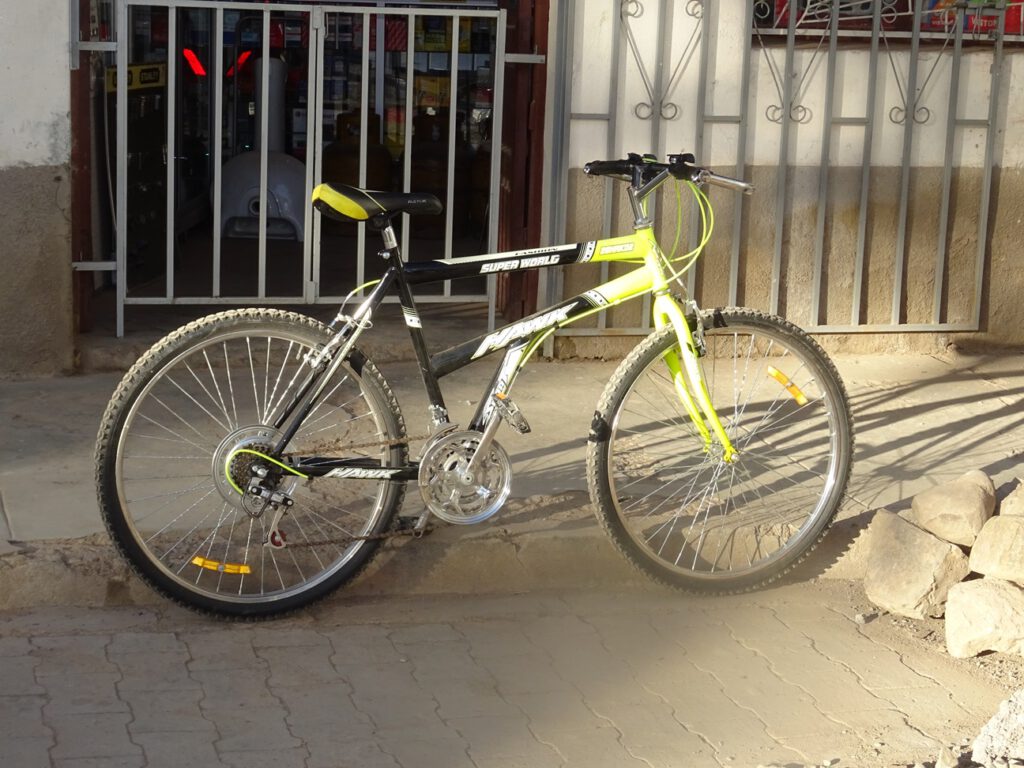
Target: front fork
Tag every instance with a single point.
(687, 377)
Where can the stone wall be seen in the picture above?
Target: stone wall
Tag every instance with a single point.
(1002, 311)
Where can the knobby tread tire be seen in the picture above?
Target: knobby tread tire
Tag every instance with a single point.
(598, 458)
(144, 370)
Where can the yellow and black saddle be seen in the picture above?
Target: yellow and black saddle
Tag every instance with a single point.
(345, 203)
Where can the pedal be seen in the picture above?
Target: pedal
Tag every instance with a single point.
(510, 412)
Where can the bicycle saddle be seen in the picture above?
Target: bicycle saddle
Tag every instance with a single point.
(340, 201)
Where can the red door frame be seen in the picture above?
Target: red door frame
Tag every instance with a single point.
(522, 161)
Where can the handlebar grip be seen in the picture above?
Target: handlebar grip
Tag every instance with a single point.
(608, 168)
(737, 185)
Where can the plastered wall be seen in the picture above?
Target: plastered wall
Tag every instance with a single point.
(36, 334)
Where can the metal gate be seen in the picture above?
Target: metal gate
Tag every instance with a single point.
(219, 145)
(847, 115)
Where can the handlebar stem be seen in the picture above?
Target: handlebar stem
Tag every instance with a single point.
(637, 195)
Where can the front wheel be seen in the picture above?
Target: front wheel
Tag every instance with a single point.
(673, 506)
(180, 438)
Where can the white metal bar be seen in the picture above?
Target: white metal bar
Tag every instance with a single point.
(410, 76)
(261, 290)
(217, 54)
(314, 129)
(205, 300)
(865, 179)
(122, 164)
(171, 151)
(364, 99)
(74, 34)
(312, 67)
(393, 11)
(94, 266)
(986, 184)
(449, 213)
(497, 117)
(93, 45)
(947, 170)
(908, 140)
(378, 98)
(817, 280)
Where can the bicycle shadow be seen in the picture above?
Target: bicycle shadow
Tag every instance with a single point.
(911, 434)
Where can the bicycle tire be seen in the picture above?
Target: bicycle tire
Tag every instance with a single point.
(173, 425)
(682, 515)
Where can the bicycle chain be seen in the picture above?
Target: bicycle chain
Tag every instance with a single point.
(346, 540)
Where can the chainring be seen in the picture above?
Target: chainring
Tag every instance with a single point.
(454, 493)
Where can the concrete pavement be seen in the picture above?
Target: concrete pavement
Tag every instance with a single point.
(644, 677)
(591, 666)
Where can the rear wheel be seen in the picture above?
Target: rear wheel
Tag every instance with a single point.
(676, 509)
(179, 439)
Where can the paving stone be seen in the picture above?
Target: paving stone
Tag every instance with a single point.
(910, 571)
(83, 694)
(567, 709)
(525, 674)
(308, 665)
(92, 735)
(792, 657)
(278, 758)
(21, 717)
(154, 672)
(390, 696)
(145, 642)
(296, 637)
(72, 655)
(15, 646)
(324, 711)
(358, 754)
(221, 687)
(102, 762)
(412, 751)
(167, 712)
(24, 752)
(249, 727)
(175, 750)
(357, 645)
(505, 740)
(224, 650)
(878, 668)
(18, 674)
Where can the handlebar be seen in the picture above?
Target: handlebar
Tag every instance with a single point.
(641, 170)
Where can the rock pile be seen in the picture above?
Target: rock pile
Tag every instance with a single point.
(952, 556)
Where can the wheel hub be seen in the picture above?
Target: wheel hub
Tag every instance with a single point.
(229, 462)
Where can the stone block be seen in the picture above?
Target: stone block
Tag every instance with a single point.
(909, 570)
(956, 511)
(1002, 737)
(984, 615)
(999, 550)
(1013, 505)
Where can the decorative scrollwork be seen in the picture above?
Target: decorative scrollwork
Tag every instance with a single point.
(659, 104)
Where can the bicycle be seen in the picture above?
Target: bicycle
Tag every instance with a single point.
(254, 460)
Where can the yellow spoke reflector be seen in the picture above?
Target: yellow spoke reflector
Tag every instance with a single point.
(213, 565)
(792, 388)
